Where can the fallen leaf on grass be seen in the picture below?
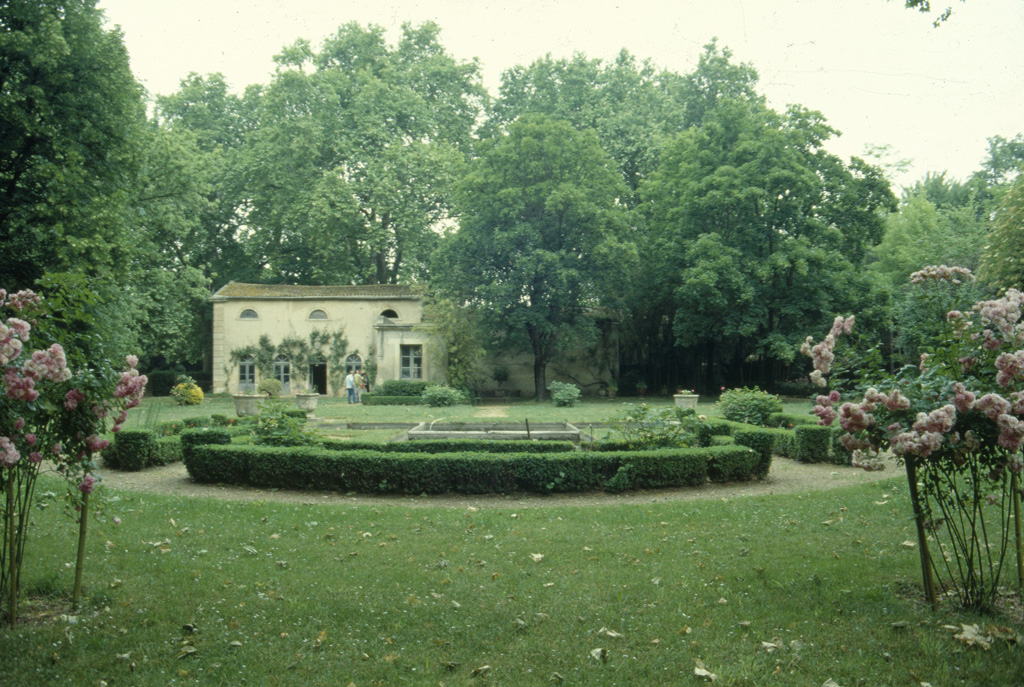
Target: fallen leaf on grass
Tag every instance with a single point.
(187, 650)
(609, 633)
(973, 636)
(600, 654)
(830, 683)
(701, 671)
(537, 557)
(482, 670)
(771, 646)
(908, 544)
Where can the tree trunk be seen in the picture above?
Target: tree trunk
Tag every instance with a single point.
(540, 371)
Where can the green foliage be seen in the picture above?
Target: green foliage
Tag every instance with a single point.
(452, 446)
(641, 427)
(366, 141)
(130, 450)
(541, 238)
(379, 399)
(187, 394)
(459, 349)
(271, 386)
(762, 441)
(1002, 265)
(813, 443)
(161, 382)
(790, 420)
(72, 115)
(564, 395)
(442, 396)
(401, 387)
(137, 449)
(276, 425)
(471, 473)
(751, 406)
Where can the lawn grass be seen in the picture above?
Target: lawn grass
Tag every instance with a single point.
(154, 410)
(294, 594)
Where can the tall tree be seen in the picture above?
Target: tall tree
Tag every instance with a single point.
(353, 153)
(70, 115)
(1002, 264)
(759, 233)
(539, 242)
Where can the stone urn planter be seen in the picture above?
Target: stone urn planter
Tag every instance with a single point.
(307, 402)
(246, 405)
(686, 400)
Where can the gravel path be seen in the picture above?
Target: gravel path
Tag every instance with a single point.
(786, 476)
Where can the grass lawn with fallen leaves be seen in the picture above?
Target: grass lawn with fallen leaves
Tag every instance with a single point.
(788, 590)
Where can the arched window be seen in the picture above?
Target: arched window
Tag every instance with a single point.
(318, 315)
(390, 313)
(247, 374)
(353, 363)
(249, 314)
(283, 372)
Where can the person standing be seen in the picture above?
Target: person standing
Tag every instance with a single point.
(350, 386)
(359, 386)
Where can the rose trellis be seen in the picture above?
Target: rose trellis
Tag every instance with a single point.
(956, 422)
(50, 416)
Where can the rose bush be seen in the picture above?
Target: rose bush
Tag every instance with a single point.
(49, 414)
(955, 421)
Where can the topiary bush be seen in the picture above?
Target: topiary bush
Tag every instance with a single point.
(442, 396)
(751, 406)
(401, 387)
(270, 386)
(563, 394)
(130, 449)
(812, 443)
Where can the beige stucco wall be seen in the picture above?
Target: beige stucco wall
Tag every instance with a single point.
(279, 318)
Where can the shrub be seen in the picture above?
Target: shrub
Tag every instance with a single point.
(642, 427)
(812, 443)
(130, 450)
(161, 382)
(270, 386)
(734, 466)
(401, 387)
(471, 472)
(763, 442)
(277, 426)
(751, 406)
(563, 394)
(379, 399)
(441, 396)
(790, 420)
(452, 446)
(165, 450)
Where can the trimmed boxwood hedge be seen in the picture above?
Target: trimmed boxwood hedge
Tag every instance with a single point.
(135, 449)
(791, 420)
(450, 446)
(369, 399)
(372, 471)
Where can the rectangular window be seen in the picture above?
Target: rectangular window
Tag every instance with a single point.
(246, 375)
(412, 362)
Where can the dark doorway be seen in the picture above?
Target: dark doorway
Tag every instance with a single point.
(318, 377)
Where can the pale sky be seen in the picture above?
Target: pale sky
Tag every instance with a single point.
(879, 73)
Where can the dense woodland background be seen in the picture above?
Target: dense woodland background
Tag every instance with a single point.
(718, 232)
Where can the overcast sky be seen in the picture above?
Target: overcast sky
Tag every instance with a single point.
(879, 73)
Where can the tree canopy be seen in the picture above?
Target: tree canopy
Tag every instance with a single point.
(538, 244)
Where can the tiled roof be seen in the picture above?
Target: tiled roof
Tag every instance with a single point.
(239, 290)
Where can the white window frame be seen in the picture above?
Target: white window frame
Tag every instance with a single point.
(411, 361)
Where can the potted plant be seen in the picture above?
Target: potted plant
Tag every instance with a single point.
(641, 388)
(500, 375)
(685, 398)
(306, 400)
(246, 404)
(613, 389)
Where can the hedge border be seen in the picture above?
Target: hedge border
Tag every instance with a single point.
(373, 471)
